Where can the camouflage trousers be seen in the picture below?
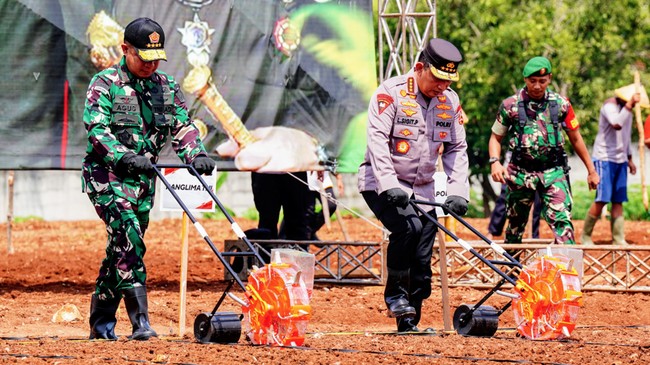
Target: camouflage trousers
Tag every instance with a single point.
(555, 195)
(124, 206)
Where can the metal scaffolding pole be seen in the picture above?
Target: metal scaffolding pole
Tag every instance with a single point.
(404, 27)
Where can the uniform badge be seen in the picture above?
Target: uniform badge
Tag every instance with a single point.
(443, 135)
(409, 104)
(383, 101)
(443, 107)
(154, 37)
(411, 85)
(409, 112)
(443, 115)
(402, 147)
(461, 115)
(405, 132)
(404, 94)
(442, 98)
(125, 99)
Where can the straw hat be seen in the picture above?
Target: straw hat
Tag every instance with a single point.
(626, 92)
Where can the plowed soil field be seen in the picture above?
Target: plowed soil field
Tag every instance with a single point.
(56, 263)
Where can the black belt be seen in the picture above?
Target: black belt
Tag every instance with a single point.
(535, 165)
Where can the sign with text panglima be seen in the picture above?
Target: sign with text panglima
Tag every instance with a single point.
(189, 189)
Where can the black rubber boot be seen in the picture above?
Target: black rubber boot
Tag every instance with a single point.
(135, 300)
(396, 294)
(102, 318)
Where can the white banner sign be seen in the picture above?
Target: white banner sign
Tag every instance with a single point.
(440, 186)
(189, 189)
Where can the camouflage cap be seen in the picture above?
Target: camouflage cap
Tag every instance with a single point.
(537, 66)
(148, 38)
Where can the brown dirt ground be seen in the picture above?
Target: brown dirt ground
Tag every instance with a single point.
(55, 263)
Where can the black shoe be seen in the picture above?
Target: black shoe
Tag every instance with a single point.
(407, 324)
(102, 318)
(399, 307)
(135, 301)
(396, 294)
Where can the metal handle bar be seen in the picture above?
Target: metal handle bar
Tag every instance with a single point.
(233, 225)
(464, 243)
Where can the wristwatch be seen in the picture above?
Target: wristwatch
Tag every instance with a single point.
(493, 160)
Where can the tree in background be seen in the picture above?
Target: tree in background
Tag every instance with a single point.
(594, 47)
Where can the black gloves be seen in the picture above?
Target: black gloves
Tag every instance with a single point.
(397, 197)
(203, 165)
(133, 165)
(456, 204)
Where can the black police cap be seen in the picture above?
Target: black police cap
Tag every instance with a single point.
(444, 58)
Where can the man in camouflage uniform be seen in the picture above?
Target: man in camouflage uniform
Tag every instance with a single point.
(410, 118)
(532, 119)
(130, 110)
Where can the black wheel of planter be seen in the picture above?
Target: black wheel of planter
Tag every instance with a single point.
(484, 321)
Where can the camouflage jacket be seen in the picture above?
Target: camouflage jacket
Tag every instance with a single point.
(538, 137)
(124, 113)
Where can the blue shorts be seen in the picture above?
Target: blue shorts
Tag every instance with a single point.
(613, 182)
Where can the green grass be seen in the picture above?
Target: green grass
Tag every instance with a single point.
(633, 209)
(29, 218)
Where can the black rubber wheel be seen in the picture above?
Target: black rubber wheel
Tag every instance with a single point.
(203, 328)
(222, 327)
(484, 321)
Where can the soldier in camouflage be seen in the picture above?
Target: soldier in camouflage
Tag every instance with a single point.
(131, 108)
(531, 120)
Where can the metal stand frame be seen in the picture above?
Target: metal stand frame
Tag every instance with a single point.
(336, 262)
(215, 327)
(404, 27)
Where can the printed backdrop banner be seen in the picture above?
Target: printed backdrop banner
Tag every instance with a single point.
(303, 64)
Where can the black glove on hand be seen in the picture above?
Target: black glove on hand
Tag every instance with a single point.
(203, 165)
(456, 204)
(134, 165)
(397, 197)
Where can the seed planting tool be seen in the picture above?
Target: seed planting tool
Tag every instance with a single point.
(546, 293)
(276, 309)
